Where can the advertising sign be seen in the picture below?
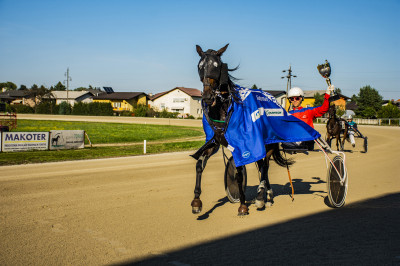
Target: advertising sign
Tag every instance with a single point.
(67, 139)
(24, 141)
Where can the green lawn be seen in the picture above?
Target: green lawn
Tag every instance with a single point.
(106, 133)
(113, 132)
(12, 158)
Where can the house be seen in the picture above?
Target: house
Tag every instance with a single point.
(18, 97)
(341, 102)
(71, 97)
(122, 101)
(395, 103)
(351, 106)
(279, 95)
(185, 101)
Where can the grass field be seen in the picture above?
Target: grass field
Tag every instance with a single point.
(167, 139)
(114, 132)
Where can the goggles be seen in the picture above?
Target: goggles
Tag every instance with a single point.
(298, 98)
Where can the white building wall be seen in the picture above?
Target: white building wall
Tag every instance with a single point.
(178, 101)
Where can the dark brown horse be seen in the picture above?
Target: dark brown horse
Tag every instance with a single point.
(218, 93)
(334, 127)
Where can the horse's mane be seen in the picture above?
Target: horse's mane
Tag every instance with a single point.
(231, 85)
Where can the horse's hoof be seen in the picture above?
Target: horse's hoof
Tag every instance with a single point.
(243, 210)
(259, 204)
(196, 206)
(196, 210)
(269, 204)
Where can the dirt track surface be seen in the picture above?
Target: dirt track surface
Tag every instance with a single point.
(137, 210)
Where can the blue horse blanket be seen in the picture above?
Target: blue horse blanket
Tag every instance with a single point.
(256, 121)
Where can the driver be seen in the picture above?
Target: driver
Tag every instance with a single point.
(307, 115)
(352, 129)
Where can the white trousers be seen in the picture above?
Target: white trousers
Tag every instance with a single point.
(351, 137)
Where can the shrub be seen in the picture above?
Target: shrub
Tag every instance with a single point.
(165, 114)
(94, 108)
(48, 107)
(23, 109)
(64, 108)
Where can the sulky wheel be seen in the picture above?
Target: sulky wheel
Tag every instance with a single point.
(365, 144)
(336, 191)
(231, 185)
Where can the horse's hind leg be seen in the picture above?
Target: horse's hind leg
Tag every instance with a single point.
(243, 209)
(263, 166)
(200, 165)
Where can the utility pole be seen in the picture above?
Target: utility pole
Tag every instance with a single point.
(289, 83)
(67, 81)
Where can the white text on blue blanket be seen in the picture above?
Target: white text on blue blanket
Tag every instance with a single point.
(268, 112)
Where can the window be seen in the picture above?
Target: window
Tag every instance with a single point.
(178, 100)
(162, 105)
(178, 110)
(117, 105)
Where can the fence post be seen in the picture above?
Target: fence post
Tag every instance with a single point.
(144, 147)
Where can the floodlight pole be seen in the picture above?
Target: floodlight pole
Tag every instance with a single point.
(68, 80)
(289, 83)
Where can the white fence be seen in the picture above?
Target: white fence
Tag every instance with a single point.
(364, 121)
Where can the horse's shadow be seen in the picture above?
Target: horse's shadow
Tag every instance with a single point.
(300, 188)
(220, 203)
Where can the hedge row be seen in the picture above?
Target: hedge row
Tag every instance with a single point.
(94, 108)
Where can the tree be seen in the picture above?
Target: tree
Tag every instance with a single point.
(38, 93)
(22, 87)
(369, 102)
(254, 87)
(64, 108)
(8, 86)
(319, 99)
(59, 87)
(389, 111)
(338, 91)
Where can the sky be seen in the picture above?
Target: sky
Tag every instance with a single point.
(149, 46)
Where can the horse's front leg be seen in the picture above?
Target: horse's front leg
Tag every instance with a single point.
(344, 137)
(200, 165)
(328, 139)
(243, 209)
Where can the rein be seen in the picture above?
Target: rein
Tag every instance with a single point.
(214, 120)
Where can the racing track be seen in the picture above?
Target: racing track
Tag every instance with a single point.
(137, 209)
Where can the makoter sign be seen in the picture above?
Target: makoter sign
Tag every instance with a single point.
(23, 141)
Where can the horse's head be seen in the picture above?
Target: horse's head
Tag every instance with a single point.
(213, 73)
(332, 110)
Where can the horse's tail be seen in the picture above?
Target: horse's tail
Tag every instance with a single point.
(278, 158)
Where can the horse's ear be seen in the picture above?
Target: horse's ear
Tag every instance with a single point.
(199, 50)
(222, 50)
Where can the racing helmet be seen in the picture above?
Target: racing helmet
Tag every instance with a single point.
(350, 117)
(295, 91)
